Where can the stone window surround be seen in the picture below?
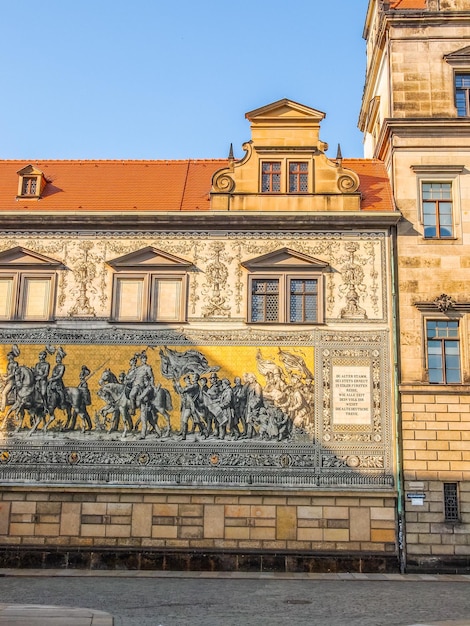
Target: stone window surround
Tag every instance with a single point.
(148, 305)
(284, 174)
(19, 293)
(432, 173)
(284, 279)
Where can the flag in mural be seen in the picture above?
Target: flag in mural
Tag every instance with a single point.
(175, 364)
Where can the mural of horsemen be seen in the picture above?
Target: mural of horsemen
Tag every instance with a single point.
(165, 393)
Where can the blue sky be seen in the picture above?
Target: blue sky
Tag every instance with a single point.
(155, 79)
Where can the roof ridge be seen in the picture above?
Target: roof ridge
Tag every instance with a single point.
(221, 159)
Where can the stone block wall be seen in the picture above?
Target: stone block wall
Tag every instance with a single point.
(159, 521)
(436, 449)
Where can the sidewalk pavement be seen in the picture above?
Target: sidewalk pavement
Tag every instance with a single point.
(38, 615)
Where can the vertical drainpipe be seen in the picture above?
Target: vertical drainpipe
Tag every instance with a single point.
(396, 393)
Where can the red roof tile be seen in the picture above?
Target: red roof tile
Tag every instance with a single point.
(408, 4)
(122, 186)
(374, 186)
(114, 185)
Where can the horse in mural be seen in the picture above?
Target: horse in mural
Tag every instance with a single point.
(118, 404)
(27, 400)
(73, 404)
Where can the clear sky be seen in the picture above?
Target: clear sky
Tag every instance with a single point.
(158, 79)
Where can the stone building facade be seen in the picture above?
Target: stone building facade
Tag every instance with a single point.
(415, 117)
(197, 358)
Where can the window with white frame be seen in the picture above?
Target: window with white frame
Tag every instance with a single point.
(438, 190)
(149, 286)
(27, 285)
(462, 94)
(149, 297)
(26, 296)
(436, 198)
(443, 351)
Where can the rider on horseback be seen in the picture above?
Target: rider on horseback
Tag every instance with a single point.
(41, 372)
(56, 382)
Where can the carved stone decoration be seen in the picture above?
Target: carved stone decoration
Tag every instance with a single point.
(353, 277)
(356, 412)
(80, 295)
(444, 302)
(224, 182)
(347, 184)
(84, 275)
(216, 276)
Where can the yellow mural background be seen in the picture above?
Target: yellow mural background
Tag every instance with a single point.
(232, 360)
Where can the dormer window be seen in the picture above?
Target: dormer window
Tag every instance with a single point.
(31, 182)
(29, 186)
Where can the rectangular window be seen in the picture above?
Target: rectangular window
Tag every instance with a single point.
(451, 502)
(303, 302)
(36, 298)
(298, 177)
(6, 297)
(167, 299)
(462, 94)
(29, 186)
(271, 177)
(265, 300)
(437, 210)
(129, 299)
(26, 296)
(443, 351)
(284, 299)
(149, 298)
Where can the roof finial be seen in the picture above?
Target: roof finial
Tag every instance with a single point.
(339, 157)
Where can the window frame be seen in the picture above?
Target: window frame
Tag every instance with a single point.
(450, 490)
(285, 279)
(465, 90)
(442, 340)
(18, 303)
(284, 175)
(271, 174)
(149, 302)
(438, 214)
(440, 174)
(298, 175)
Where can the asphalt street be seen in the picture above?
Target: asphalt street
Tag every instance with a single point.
(220, 601)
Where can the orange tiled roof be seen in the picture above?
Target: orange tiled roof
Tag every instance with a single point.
(375, 185)
(408, 4)
(113, 185)
(140, 186)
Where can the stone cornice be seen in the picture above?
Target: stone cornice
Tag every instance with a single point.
(420, 127)
(209, 221)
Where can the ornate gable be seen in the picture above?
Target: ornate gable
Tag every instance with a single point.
(285, 167)
(19, 257)
(149, 258)
(284, 259)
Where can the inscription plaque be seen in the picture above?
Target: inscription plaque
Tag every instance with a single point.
(352, 395)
